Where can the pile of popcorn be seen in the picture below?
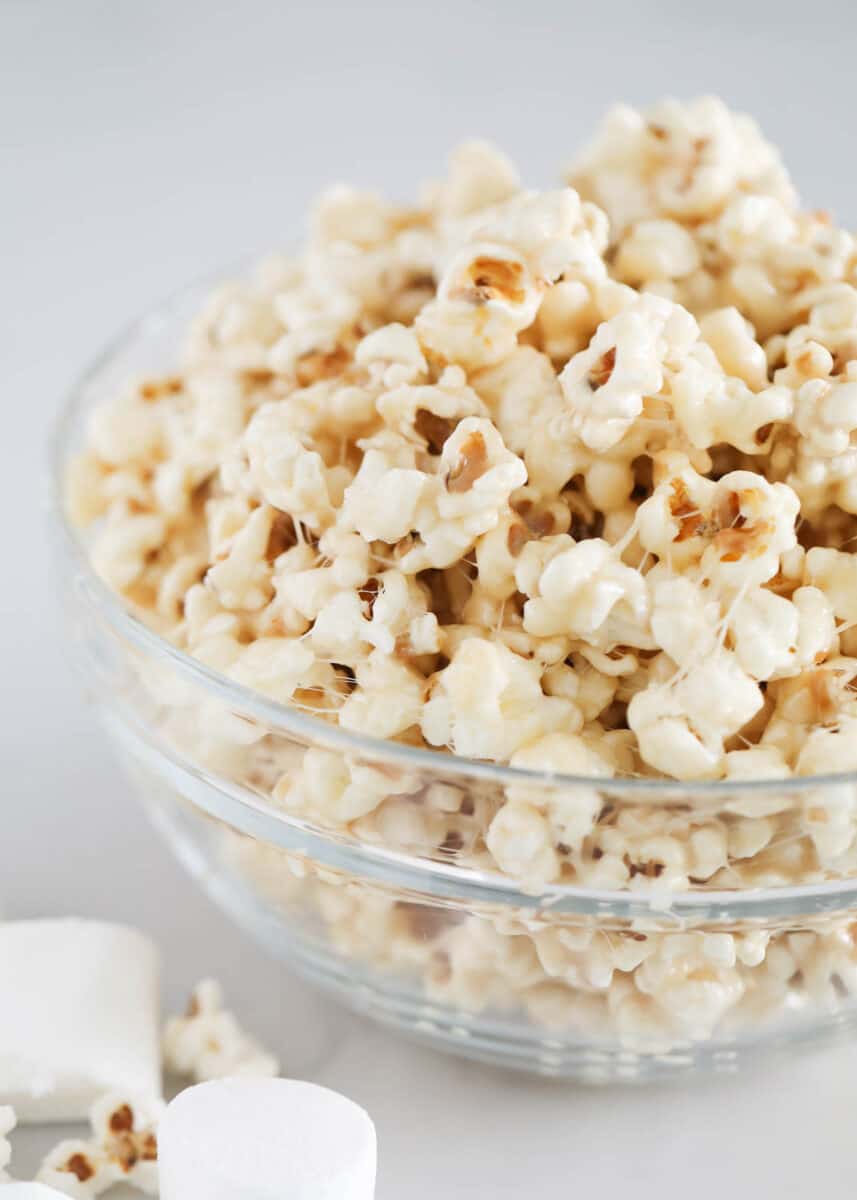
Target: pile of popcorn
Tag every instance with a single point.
(565, 480)
(644, 985)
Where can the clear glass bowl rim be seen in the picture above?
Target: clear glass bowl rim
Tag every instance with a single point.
(109, 609)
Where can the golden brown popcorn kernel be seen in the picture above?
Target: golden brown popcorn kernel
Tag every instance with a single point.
(492, 279)
(282, 537)
(258, 378)
(433, 429)
(122, 1120)
(369, 594)
(472, 463)
(516, 538)
(156, 389)
(603, 369)
(79, 1166)
(690, 519)
(737, 538)
(822, 691)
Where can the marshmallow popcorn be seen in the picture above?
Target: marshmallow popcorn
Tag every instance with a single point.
(122, 1148)
(208, 1043)
(559, 480)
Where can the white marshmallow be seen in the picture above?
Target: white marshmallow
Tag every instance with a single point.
(30, 1191)
(79, 1016)
(265, 1139)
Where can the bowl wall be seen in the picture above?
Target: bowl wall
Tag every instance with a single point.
(363, 864)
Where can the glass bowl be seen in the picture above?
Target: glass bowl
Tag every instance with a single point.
(660, 972)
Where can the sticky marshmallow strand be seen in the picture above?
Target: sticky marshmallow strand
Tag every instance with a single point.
(79, 1016)
(266, 1139)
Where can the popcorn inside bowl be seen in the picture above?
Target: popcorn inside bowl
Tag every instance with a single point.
(561, 480)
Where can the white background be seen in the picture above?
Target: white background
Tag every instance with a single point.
(144, 144)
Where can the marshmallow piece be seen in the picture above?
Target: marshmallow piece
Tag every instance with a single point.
(30, 1191)
(78, 1016)
(265, 1139)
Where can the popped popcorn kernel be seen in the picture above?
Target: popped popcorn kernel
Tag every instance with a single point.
(207, 1042)
(679, 160)
(489, 701)
(123, 1148)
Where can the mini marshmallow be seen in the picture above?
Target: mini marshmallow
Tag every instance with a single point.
(78, 1016)
(265, 1139)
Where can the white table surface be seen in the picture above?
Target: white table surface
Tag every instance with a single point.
(145, 144)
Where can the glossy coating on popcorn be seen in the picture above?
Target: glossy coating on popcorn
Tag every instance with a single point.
(561, 479)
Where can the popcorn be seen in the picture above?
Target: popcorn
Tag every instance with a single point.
(243, 579)
(605, 385)
(123, 1149)
(264, 1137)
(562, 480)
(446, 511)
(236, 327)
(488, 702)
(393, 353)
(382, 502)
(208, 1043)
(552, 231)
(731, 339)
(388, 699)
(775, 637)
(693, 979)
(61, 1047)
(656, 249)
(737, 408)
(735, 530)
(491, 274)
(684, 618)
(518, 390)
(343, 214)
(125, 544)
(643, 985)
(520, 840)
(287, 471)
(678, 160)
(492, 282)
(682, 723)
(756, 522)
(334, 791)
(479, 177)
(835, 574)
(429, 413)
(585, 592)
(526, 831)
(279, 669)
